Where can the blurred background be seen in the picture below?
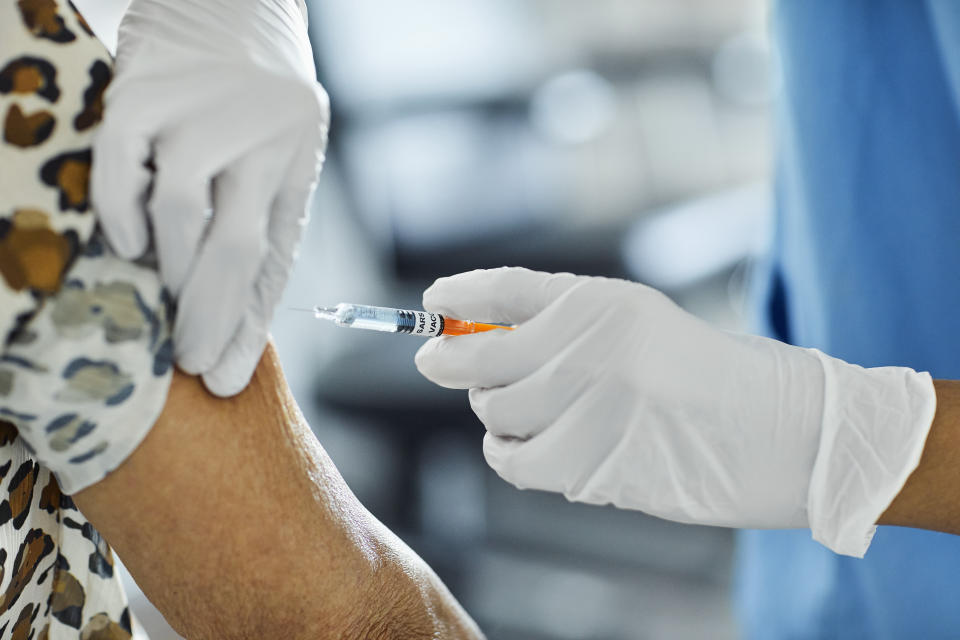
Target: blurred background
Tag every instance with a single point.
(624, 138)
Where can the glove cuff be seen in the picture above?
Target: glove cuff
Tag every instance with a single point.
(875, 425)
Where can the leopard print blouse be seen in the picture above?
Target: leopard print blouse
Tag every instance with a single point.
(85, 350)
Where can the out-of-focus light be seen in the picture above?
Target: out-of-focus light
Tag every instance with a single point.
(555, 596)
(379, 54)
(440, 178)
(574, 107)
(742, 69)
(683, 245)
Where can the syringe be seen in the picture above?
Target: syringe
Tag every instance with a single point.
(418, 323)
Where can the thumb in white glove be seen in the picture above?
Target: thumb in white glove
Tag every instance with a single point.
(219, 99)
(610, 393)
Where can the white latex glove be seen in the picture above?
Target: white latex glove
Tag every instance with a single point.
(219, 99)
(610, 393)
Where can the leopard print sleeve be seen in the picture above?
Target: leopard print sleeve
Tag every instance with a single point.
(86, 354)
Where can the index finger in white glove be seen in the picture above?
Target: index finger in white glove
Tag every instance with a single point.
(119, 180)
(494, 358)
(181, 196)
(232, 373)
(499, 358)
(491, 359)
(508, 295)
(240, 357)
(213, 302)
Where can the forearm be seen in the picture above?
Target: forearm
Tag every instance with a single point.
(236, 524)
(931, 497)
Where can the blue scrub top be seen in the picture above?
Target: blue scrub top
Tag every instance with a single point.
(866, 267)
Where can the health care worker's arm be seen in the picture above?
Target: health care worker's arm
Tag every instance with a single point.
(931, 497)
(236, 524)
(610, 393)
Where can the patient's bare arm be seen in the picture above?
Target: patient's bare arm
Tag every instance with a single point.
(930, 499)
(236, 524)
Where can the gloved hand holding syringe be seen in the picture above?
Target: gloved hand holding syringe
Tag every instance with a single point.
(389, 320)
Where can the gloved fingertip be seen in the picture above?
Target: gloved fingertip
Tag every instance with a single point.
(433, 296)
(425, 353)
(238, 362)
(498, 452)
(190, 365)
(429, 361)
(131, 249)
(476, 396)
(194, 359)
(443, 295)
(130, 239)
(199, 340)
(480, 404)
(226, 384)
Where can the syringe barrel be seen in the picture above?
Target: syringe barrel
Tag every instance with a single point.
(418, 323)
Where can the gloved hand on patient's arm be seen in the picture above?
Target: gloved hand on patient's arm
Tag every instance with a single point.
(610, 393)
(214, 105)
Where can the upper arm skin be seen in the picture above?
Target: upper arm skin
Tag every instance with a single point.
(236, 524)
